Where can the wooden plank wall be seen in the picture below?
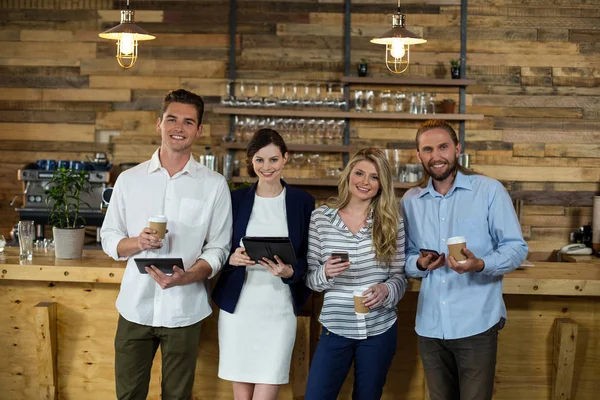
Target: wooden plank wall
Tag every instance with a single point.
(535, 62)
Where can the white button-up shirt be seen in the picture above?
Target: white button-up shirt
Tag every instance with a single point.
(197, 204)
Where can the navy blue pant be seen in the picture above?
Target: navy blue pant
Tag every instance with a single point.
(334, 356)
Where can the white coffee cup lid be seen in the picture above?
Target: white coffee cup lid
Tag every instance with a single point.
(359, 293)
(456, 239)
(157, 218)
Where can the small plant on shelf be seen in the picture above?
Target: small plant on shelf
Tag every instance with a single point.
(362, 67)
(448, 106)
(455, 68)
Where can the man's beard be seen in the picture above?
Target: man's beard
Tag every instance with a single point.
(452, 167)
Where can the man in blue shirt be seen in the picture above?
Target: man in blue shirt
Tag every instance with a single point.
(460, 308)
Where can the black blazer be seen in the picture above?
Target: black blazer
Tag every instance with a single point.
(299, 206)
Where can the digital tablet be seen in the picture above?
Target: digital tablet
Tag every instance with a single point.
(163, 264)
(259, 247)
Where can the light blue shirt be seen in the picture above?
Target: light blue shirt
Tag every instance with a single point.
(453, 305)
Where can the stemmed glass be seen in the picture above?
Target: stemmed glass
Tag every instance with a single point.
(242, 99)
(306, 100)
(329, 100)
(228, 100)
(270, 101)
(256, 100)
(294, 101)
(317, 100)
(283, 100)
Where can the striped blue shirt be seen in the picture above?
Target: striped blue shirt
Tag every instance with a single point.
(327, 234)
(452, 305)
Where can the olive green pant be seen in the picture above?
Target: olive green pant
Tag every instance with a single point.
(135, 347)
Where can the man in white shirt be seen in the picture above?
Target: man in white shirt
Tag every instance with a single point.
(157, 308)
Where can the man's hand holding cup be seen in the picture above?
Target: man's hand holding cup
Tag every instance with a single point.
(462, 259)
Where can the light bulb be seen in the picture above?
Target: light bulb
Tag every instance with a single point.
(397, 50)
(126, 43)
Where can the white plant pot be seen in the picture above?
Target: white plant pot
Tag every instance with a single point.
(68, 242)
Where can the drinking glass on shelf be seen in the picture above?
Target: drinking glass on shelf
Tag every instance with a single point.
(369, 101)
(270, 101)
(297, 160)
(311, 130)
(321, 133)
(399, 99)
(423, 103)
(294, 100)
(329, 100)
(283, 100)
(2, 243)
(26, 237)
(432, 103)
(341, 100)
(339, 131)
(318, 101)
(239, 129)
(256, 100)
(384, 100)
(358, 100)
(414, 108)
(228, 100)
(242, 99)
(300, 130)
(313, 161)
(306, 99)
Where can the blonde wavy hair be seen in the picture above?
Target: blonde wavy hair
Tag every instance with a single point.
(386, 216)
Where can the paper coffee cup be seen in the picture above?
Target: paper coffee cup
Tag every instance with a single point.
(359, 307)
(159, 224)
(455, 245)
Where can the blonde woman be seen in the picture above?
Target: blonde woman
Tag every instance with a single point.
(363, 221)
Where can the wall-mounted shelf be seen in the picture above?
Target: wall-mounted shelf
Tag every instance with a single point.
(343, 114)
(313, 182)
(316, 148)
(408, 81)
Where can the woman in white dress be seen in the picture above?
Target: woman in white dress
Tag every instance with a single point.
(259, 299)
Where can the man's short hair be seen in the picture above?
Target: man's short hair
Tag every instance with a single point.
(185, 97)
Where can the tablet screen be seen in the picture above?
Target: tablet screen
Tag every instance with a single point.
(269, 247)
(163, 264)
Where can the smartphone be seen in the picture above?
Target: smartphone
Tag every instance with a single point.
(425, 252)
(340, 254)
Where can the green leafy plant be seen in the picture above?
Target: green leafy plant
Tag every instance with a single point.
(448, 101)
(363, 61)
(455, 63)
(64, 197)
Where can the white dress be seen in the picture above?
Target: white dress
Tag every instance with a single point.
(256, 341)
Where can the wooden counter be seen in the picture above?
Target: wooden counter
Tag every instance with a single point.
(544, 278)
(85, 290)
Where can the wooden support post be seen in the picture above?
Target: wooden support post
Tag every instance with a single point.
(300, 358)
(425, 390)
(565, 344)
(45, 332)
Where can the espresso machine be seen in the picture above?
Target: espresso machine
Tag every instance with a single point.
(35, 183)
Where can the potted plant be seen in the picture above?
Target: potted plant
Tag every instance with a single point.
(455, 69)
(64, 192)
(448, 106)
(362, 67)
